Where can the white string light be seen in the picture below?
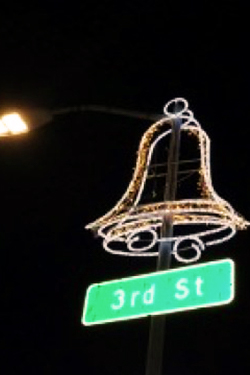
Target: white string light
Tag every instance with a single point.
(128, 221)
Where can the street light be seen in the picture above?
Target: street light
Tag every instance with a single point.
(16, 121)
(21, 120)
(11, 124)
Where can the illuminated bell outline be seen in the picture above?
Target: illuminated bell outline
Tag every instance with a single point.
(125, 223)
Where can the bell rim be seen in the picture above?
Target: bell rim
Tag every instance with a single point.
(221, 210)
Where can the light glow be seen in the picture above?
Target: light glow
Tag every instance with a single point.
(12, 124)
(3, 129)
(209, 219)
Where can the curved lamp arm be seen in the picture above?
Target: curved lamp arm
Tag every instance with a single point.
(21, 120)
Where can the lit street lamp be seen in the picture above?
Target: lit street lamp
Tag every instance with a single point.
(19, 120)
(209, 219)
(11, 124)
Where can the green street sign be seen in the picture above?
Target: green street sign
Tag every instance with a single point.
(186, 288)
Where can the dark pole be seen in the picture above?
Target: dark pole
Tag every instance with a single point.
(157, 326)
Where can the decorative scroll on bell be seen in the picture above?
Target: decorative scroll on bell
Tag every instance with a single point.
(200, 216)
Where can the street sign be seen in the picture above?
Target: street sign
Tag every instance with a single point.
(186, 288)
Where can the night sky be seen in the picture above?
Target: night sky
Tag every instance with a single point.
(135, 55)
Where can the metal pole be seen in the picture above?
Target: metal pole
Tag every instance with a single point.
(157, 326)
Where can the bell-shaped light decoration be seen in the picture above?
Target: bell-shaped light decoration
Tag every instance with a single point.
(200, 216)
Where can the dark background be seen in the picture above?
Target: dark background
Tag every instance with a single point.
(136, 55)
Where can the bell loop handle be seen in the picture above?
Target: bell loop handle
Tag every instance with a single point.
(197, 244)
(176, 107)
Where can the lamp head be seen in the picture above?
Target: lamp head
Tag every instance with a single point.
(17, 121)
